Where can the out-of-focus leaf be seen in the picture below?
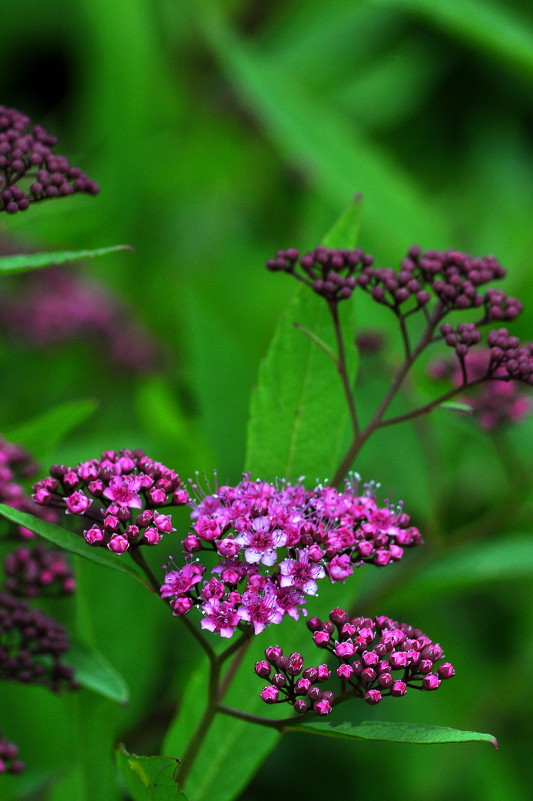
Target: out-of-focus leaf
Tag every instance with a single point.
(298, 414)
(23, 262)
(149, 778)
(94, 672)
(469, 567)
(335, 154)
(493, 28)
(455, 406)
(71, 542)
(42, 434)
(396, 732)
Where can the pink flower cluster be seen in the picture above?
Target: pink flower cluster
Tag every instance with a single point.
(31, 572)
(272, 544)
(55, 306)
(377, 657)
(495, 401)
(120, 495)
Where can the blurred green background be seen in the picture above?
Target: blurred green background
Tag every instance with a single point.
(220, 132)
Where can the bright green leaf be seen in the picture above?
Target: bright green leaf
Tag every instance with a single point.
(345, 231)
(23, 262)
(149, 778)
(396, 732)
(94, 672)
(71, 542)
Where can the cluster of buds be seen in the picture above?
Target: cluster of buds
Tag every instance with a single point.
(272, 544)
(9, 762)
(495, 402)
(16, 465)
(376, 657)
(330, 272)
(26, 156)
(38, 571)
(120, 495)
(54, 306)
(31, 646)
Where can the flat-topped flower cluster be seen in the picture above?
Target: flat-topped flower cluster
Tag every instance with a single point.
(272, 545)
(376, 657)
(120, 494)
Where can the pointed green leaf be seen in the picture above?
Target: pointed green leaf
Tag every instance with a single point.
(71, 542)
(419, 733)
(42, 434)
(345, 232)
(149, 778)
(96, 673)
(23, 262)
(299, 422)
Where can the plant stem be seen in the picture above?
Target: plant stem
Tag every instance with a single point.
(360, 438)
(342, 367)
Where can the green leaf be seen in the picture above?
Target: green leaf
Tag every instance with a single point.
(94, 672)
(71, 542)
(336, 154)
(345, 231)
(299, 421)
(419, 733)
(470, 567)
(455, 406)
(149, 778)
(22, 262)
(42, 434)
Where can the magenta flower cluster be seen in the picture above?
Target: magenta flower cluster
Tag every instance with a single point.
(119, 497)
(9, 762)
(54, 306)
(495, 402)
(31, 572)
(26, 156)
(273, 544)
(375, 657)
(32, 646)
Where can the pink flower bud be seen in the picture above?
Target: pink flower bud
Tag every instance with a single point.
(322, 707)
(77, 503)
(431, 681)
(151, 536)
(398, 688)
(181, 605)
(446, 671)
(344, 649)
(94, 535)
(372, 697)
(192, 544)
(269, 694)
(118, 544)
(163, 523)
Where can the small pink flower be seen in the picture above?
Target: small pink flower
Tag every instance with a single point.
(77, 503)
(340, 568)
(94, 535)
(118, 544)
(125, 491)
(221, 617)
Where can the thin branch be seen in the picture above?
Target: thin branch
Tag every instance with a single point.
(342, 366)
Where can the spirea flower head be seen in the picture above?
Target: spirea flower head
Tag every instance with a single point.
(273, 543)
(119, 496)
(54, 306)
(32, 646)
(29, 170)
(9, 762)
(31, 572)
(374, 657)
(16, 464)
(496, 399)
(330, 272)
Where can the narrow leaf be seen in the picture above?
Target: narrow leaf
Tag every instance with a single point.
(149, 778)
(23, 262)
(419, 733)
(71, 542)
(455, 406)
(96, 673)
(345, 231)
